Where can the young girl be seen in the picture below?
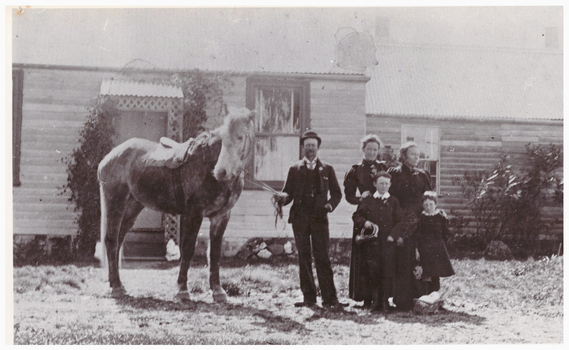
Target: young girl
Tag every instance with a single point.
(432, 231)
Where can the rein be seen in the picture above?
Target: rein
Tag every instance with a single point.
(278, 206)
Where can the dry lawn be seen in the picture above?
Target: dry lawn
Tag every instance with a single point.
(488, 302)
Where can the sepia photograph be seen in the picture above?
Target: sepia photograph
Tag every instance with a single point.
(285, 175)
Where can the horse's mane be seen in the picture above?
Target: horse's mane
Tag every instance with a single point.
(235, 117)
(230, 123)
(207, 139)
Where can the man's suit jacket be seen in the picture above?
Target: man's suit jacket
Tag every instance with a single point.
(295, 188)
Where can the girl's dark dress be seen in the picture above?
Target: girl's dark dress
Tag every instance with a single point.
(432, 231)
(360, 177)
(408, 186)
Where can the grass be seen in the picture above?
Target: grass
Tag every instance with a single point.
(487, 301)
(530, 287)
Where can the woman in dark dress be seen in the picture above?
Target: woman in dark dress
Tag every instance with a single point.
(360, 179)
(408, 184)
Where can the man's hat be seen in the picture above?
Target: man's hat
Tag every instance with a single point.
(309, 134)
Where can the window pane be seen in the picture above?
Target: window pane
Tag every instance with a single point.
(431, 167)
(277, 110)
(274, 155)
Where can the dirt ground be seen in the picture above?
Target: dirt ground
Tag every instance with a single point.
(72, 305)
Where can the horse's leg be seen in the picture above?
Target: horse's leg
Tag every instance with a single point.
(133, 208)
(189, 228)
(114, 198)
(217, 228)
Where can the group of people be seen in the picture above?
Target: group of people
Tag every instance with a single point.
(398, 244)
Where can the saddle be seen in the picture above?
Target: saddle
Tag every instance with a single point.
(169, 153)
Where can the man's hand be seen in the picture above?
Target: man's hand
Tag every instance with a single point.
(328, 207)
(280, 197)
(365, 194)
(368, 225)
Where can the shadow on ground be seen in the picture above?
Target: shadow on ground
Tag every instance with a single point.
(443, 317)
(272, 322)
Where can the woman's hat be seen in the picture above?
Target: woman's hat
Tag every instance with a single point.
(309, 134)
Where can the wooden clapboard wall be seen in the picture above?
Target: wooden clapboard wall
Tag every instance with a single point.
(53, 112)
(467, 145)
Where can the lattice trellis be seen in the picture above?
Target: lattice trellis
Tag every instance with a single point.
(174, 108)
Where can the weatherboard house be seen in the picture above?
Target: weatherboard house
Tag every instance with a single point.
(463, 106)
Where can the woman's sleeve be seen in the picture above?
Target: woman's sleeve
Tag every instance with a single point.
(351, 185)
(398, 218)
(360, 216)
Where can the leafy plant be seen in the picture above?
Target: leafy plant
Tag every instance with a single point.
(507, 203)
(95, 141)
(201, 93)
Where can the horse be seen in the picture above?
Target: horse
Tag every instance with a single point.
(205, 181)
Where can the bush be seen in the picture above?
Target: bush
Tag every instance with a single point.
(42, 250)
(507, 204)
(95, 141)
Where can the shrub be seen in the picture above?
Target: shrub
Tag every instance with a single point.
(35, 252)
(95, 141)
(507, 203)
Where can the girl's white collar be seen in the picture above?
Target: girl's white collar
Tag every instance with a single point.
(437, 211)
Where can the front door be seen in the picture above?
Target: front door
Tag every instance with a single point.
(146, 238)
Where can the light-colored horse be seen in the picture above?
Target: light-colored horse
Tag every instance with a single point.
(207, 183)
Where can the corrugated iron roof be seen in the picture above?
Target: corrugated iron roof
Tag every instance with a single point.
(466, 82)
(138, 88)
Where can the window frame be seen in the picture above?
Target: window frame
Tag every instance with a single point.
(256, 82)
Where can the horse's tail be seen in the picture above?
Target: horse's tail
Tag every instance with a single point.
(102, 251)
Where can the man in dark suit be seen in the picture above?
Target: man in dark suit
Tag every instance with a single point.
(308, 184)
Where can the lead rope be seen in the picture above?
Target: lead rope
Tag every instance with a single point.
(276, 204)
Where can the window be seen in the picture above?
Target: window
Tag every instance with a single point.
(17, 99)
(428, 140)
(281, 115)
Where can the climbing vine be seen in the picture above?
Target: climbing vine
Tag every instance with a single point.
(95, 141)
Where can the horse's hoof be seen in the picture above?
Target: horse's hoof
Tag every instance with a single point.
(118, 292)
(183, 296)
(220, 297)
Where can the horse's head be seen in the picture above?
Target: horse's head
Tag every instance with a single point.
(236, 144)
